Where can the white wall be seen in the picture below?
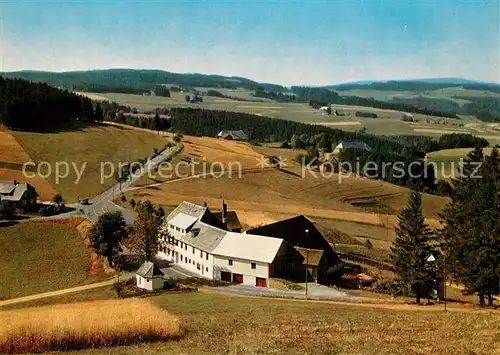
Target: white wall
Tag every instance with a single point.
(240, 266)
(153, 284)
(189, 260)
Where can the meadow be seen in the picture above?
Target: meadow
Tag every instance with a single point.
(38, 257)
(448, 161)
(223, 324)
(388, 121)
(12, 158)
(85, 325)
(91, 145)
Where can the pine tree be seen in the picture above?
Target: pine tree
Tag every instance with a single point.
(471, 236)
(414, 243)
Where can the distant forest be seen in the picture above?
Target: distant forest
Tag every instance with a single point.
(29, 105)
(140, 82)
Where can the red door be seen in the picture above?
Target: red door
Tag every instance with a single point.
(260, 282)
(238, 278)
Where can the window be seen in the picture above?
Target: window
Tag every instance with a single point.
(206, 268)
(182, 244)
(185, 246)
(206, 254)
(181, 257)
(193, 250)
(253, 265)
(177, 229)
(201, 254)
(230, 262)
(198, 266)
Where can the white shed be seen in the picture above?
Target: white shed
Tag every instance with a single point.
(149, 277)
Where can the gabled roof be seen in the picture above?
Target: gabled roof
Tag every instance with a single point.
(232, 219)
(248, 247)
(189, 209)
(353, 145)
(183, 220)
(149, 270)
(293, 231)
(14, 191)
(234, 134)
(207, 237)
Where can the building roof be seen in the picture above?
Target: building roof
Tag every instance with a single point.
(183, 221)
(149, 270)
(233, 222)
(293, 231)
(311, 256)
(13, 190)
(207, 237)
(189, 209)
(353, 145)
(240, 135)
(248, 247)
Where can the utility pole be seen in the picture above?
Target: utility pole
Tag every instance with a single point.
(444, 277)
(307, 260)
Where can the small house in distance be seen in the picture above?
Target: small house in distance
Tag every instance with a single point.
(233, 135)
(351, 145)
(367, 114)
(20, 193)
(149, 277)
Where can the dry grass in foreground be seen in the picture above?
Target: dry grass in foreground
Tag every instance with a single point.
(85, 325)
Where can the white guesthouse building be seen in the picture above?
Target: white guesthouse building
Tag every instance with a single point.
(196, 241)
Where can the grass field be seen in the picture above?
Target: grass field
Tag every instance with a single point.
(90, 144)
(85, 325)
(218, 324)
(448, 161)
(12, 158)
(388, 123)
(38, 257)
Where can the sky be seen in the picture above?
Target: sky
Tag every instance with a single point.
(284, 42)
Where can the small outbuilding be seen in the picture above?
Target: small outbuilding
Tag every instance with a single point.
(149, 277)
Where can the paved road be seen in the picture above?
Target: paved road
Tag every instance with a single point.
(315, 292)
(104, 201)
(65, 291)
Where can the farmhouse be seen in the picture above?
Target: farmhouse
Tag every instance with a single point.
(233, 135)
(351, 145)
(300, 233)
(190, 238)
(149, 277)
(20, 193)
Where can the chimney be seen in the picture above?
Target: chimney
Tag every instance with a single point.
(15, 182)
(205, 204)
(224, 214)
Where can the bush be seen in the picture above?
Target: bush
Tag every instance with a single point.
(58, 199)
(368, 244)
(123, 198)
(132, 203)
(49, 210)
(177, 138)
(7, 210)
(393, 287)
(285, 145)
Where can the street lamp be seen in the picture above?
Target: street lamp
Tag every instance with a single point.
(431, 259)
(307, 260)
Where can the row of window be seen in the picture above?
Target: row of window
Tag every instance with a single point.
(252, 265)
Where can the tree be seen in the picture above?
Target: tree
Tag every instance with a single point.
(98, 114)
(187, 98)
(7, 210)
(57, 199)
(411, 248)
(471, 236)
(107, 233)
(145, 231)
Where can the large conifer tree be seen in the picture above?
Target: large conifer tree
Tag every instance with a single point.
(414, 243)
(471, 235)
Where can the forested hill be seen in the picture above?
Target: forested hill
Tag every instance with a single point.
(30, 105)
(417, 85)
(138, 80)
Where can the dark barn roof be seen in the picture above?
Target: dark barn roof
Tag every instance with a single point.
(233, 222)
(292, 230)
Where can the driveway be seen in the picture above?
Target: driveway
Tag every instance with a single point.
(315, 292)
